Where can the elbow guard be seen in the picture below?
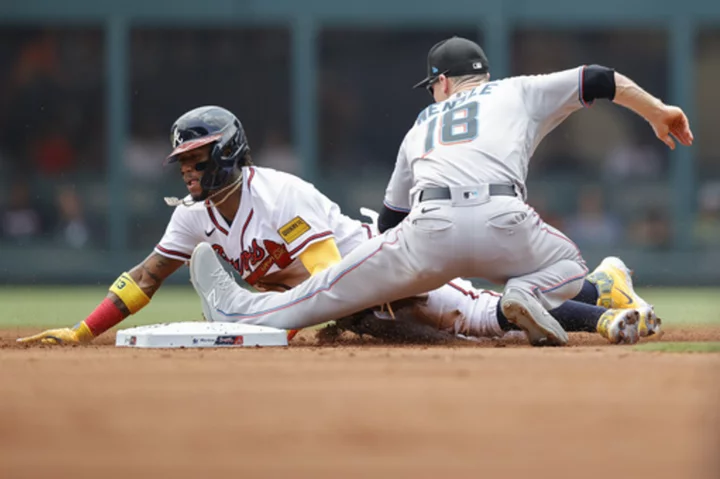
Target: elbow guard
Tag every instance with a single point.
(597, 82)
(389, 219)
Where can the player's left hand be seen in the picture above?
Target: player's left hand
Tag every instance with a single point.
(77, 335)
(671, 122)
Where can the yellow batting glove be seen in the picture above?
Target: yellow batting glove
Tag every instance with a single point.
(80, 334)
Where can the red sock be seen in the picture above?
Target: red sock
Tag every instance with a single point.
(105, 316)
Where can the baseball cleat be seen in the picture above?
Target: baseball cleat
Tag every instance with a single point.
(210, 280)
(613, 281)
(525, 311)
(649, 323)
(619, 326)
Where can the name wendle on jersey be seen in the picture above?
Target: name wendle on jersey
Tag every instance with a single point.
(451, 103)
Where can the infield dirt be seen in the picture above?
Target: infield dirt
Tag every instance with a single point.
(357, 408)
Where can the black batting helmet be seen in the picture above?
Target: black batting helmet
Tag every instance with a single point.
(211, 125)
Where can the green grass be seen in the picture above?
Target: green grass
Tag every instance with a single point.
(685, 306)
(709, 347)
(65, 306)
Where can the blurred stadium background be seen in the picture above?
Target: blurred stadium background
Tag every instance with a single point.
(89, 90)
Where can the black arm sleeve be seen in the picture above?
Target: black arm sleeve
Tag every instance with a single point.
(597, 82)
(389, 219)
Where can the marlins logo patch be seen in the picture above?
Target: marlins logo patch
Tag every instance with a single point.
(294, 229)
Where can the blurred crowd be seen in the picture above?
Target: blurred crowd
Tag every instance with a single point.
(51, 134)
(601, 177)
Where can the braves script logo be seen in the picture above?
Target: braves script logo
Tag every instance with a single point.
(256, 261)
(250, 257)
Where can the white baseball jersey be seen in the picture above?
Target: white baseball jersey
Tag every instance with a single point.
(479, 136)
(279, 216)
(483, 135)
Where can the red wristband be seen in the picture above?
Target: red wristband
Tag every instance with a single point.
(105, 316)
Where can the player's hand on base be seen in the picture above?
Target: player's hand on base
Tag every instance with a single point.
(78, 335)
(671, 122)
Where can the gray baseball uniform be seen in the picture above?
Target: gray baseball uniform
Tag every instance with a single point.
(460, 173)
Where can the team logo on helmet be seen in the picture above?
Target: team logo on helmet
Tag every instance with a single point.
(177, 139)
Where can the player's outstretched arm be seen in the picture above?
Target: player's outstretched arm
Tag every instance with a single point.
(667, 121)
(128, 294)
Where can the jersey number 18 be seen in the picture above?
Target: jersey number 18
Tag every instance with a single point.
(458, 125)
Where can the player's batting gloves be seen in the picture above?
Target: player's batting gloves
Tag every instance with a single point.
(77, 335)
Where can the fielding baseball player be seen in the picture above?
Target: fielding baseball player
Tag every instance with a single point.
(454, 206)
(276, 230)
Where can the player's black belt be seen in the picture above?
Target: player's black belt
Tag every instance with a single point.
(444, 193)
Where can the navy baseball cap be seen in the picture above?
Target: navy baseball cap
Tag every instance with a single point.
(454, 57)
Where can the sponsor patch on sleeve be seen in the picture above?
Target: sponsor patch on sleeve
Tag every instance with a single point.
(293, 230)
